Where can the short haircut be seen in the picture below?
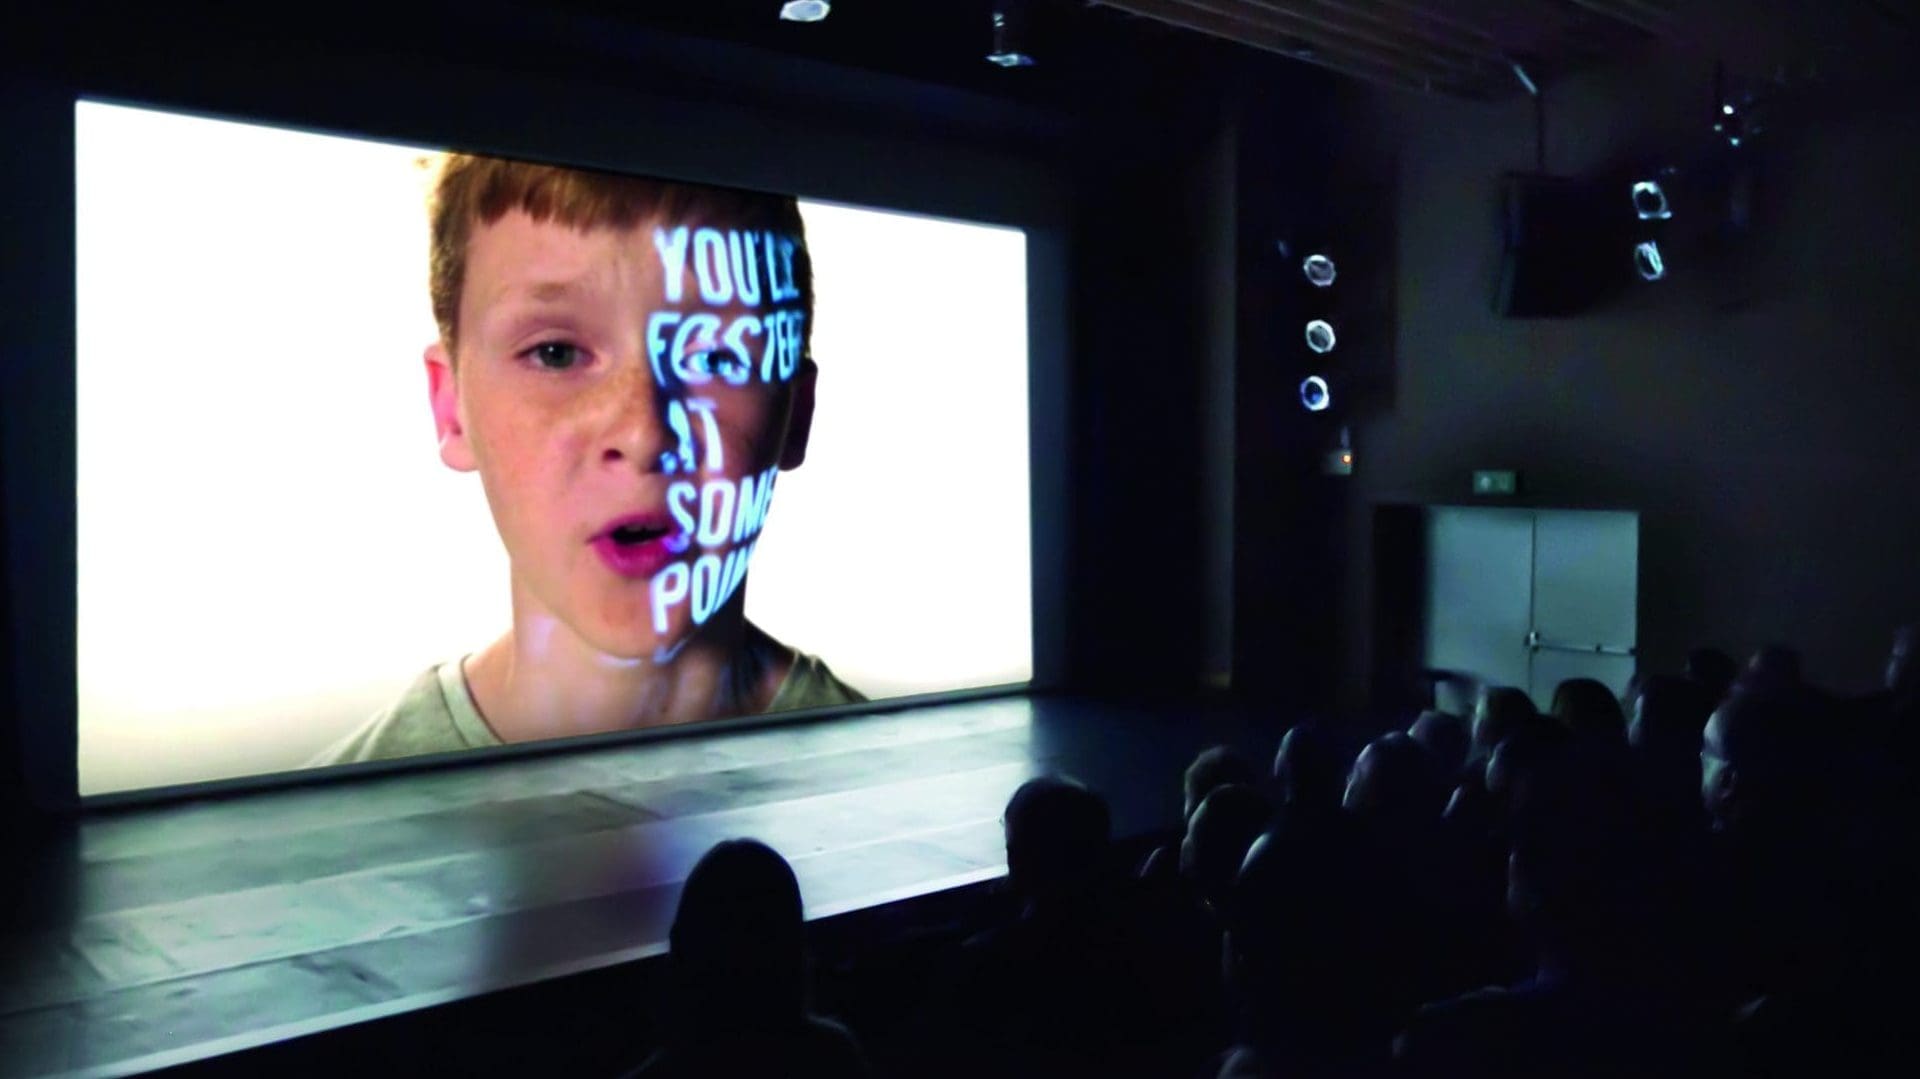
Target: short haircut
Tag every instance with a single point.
(1213, 768)
(1588, 708)
(1445, 736)
(1307, 769)
(1768, 734)
(1397, 778)
(1057, 836)
(1673, 712)
(1778, 663)
(471, 190)
(737, 942)
(1222, 829)
(1713, 669)
(1503, 712)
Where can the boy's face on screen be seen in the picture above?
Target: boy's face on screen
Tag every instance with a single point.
(627, 396)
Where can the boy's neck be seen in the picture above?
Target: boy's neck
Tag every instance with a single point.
(543, 682)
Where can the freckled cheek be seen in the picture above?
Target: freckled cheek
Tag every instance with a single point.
(527, 454)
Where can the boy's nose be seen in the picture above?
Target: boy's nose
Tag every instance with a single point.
(637, 433)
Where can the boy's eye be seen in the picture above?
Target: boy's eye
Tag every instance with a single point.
(554, 355)
(719, 363)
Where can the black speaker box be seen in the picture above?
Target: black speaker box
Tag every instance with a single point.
(1563, 250)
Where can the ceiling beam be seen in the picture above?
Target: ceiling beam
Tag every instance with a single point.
(1291, 46)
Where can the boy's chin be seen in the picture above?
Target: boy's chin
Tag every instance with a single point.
(634, 646)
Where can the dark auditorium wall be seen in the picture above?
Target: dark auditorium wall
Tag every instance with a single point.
(1758, 408)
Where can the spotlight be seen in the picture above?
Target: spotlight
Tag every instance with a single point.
(1320, 336)
(1319, 270)
(1314, 394)
(1650, 201)
(1006, 47)
(805, 10)
(1646, 259)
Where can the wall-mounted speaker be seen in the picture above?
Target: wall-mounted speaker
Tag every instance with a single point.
(1561, 250)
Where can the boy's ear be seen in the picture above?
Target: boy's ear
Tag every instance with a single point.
(800, 420)
(443, 391)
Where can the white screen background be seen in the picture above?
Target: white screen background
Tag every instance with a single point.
(270, 549)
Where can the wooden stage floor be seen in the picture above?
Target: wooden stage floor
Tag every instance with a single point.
(178, 932)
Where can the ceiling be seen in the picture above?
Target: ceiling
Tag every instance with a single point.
(1469, 48)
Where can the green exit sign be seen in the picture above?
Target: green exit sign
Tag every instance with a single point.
(1496, 483)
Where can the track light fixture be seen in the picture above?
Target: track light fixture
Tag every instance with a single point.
(805, 10)
(1650, 201)
(1319, 269)
(1320, 336)
(1647, 260)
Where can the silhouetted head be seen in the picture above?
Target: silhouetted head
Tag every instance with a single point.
(1057, 833)
(1455, 695)
(1773, 669)
(1222, 829)
(737, 944)
(1575, 877)
(1395, 780)
(1308, 771)
(1502, 711)
(1755, 757)
(1445, 736)
(1301, 952)
(1589, 709)
(1216, 766)
(1669, 716)
(1518, 759)
(1903, 667)
(1712, 669)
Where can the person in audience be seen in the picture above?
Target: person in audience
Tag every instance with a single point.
(1903, 665)
(1212, 768)
(1713, 670)
(1043, 993)
(1395, 780)
(1308, 774)
(1775, 668)
(1898, 697)
(1215, 767)
(1664, 733)
(1307, 966)
(1501, 711)
(1589, 709)
(1445, 736)
(1593, 1005)
(1455, 694)
(1225, 825)
(1768, 783)
(1394, 796)
(1819, 921)
(737, 962)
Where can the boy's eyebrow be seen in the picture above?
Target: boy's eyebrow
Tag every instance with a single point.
(549, 291)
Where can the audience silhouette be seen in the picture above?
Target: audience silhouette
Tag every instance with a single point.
(738, 961)
(1709, 876)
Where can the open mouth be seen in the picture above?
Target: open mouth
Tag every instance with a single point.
(632, 535)
(637, 545)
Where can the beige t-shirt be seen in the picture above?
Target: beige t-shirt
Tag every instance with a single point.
(437, 714)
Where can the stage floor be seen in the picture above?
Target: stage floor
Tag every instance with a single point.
(184, 931)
